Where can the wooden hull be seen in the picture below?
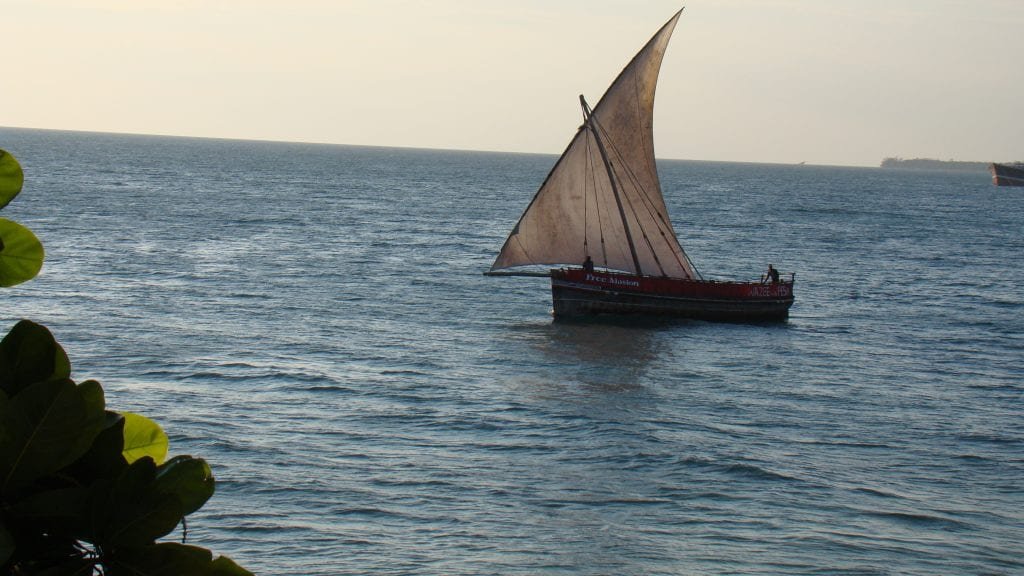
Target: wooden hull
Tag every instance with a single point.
(576, 292)
(1007, 175)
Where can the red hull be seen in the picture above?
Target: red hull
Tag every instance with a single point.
(576, 292)
(1007, 175)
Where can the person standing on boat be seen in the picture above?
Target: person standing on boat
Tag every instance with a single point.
(588, 264)
(772, 275)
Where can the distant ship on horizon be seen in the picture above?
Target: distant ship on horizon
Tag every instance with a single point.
(1007, 174)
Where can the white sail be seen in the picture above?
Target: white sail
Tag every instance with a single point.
(602, 199)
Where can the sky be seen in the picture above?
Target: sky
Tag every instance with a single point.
(837, 82)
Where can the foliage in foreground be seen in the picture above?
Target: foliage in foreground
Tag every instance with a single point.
(21, 253)
(83, 490)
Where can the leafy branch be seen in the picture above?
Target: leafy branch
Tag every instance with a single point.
(83, 490)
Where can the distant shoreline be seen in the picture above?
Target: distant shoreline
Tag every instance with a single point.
(932, 164)
(890, 162)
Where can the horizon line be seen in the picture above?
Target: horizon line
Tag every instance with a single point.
(407, 147)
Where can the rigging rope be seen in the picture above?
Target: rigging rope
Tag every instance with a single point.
(635, 181)
(656, 215)
(590, 178)
(586, 207)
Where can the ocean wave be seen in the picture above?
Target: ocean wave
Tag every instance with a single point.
(312, 321)
(743, 469)
(920, 520)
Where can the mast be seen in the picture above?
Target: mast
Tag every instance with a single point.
(555, 227)
(589, 123)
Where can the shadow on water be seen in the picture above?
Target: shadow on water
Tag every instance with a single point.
(571, 357)
(600, 343)
(631, 340)
(612, 354)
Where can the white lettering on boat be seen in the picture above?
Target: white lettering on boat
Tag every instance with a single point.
(613, 280)
(769, 290)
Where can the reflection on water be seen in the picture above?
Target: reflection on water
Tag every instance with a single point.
(604, 344)
(595, 357)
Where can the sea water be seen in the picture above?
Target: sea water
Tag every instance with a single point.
(313, 321)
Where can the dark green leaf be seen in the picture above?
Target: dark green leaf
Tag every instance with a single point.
(165, 559)
(29, 354)
(169, 559)
(224, 566)
(7, 437)
(92, 393)
(11, 178)
(57, 503)
(43, 429)
(143, 437)
(21, 253)
(6, 543)
(59, 512)
(188, 478)
(131, 511)
(104, 458)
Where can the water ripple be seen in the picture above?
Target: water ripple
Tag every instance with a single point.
(313, 321)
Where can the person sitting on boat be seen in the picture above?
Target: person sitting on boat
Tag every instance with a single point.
(772, 275)
(588, 264)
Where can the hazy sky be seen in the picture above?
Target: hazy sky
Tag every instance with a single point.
(821, 81)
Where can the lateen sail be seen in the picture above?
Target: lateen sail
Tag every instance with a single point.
(603, 198)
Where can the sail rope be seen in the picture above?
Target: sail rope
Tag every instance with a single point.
(586, 205)
(519, 241)
(642, 193)
(590, 189)
(664, 226)
(661, 222)
(591, 179)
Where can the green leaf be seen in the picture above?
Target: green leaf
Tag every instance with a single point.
(165, 559)
(92, 393)
(143, 437)
(57, 503)
(224, 566)
(104, 458)
(131, 511)
(6, 544)
(11, 178)
(29, 354)
(21, 253)
(188, 478)
(43, 429)
(63, 511)
(170, 559)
